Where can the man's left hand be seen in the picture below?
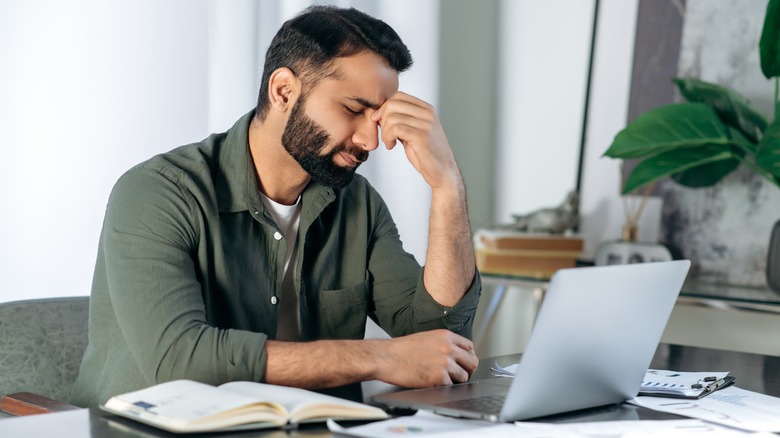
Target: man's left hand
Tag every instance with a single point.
(415, 124)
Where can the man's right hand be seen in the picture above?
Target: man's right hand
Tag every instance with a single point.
(425, 359)
(420, 360)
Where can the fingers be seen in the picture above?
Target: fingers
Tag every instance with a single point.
(404, 117)
(465, 359)
(404, 103)
(460, 358)
(415, 124)
(433, 358)
(403, 127)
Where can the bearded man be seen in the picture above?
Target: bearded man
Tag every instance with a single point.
(258, 253)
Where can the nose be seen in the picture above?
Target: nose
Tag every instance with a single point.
(366, 135)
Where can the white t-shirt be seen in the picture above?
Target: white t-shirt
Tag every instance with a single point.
(287, 218)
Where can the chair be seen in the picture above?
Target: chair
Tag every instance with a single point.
(42, 342)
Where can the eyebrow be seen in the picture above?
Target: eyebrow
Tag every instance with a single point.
(366, 103)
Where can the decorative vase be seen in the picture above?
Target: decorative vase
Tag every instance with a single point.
(628, 250)
(773, 259)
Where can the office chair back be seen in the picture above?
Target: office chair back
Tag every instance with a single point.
(42, 342)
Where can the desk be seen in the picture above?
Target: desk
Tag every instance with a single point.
(754, 299)
(753, 372)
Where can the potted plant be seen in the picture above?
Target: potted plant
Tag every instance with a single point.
(699, 142)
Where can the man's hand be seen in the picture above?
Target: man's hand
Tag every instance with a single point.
(415, 124)
(432, 358)
(421, 360)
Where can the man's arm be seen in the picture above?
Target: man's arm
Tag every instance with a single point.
(449, 268)
(432, 358)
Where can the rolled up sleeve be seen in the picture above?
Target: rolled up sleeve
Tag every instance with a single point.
(402, 303)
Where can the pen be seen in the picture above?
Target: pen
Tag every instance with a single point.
(720, 383)
(698, 385)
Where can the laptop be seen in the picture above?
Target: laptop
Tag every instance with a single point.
(591, 345)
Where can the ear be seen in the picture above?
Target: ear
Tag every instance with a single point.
(284, 88)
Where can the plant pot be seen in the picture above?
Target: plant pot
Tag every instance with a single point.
(773, 259)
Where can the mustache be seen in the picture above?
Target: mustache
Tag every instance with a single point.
(360, 155)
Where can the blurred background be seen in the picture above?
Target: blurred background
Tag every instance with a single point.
(89, 88)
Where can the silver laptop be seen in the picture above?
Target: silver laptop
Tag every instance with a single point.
(591, 344)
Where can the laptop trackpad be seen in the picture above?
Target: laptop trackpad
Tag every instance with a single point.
(444, 394)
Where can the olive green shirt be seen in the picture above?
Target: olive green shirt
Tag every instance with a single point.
(190, 265)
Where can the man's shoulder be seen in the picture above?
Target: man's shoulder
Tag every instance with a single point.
(185, 169)
(193, 158)
(218, 156)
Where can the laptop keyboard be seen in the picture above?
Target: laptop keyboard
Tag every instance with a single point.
(488, 403)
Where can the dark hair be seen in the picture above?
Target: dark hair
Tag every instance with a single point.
(309, 42)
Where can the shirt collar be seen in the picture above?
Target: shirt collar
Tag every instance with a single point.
(236, 179)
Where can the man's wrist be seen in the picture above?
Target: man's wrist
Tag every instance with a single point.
(453, 190)
(375, 351)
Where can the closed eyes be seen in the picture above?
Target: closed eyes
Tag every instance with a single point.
(351, 111)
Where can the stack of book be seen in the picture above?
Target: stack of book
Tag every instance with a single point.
(526, 254)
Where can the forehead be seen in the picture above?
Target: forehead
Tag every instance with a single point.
(364, 76)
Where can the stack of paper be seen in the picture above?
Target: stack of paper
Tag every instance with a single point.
(734, 407)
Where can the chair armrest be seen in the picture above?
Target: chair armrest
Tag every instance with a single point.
(27, 403)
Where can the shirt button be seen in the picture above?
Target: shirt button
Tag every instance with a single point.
(445, 312)
(278, 235)
(273, 300)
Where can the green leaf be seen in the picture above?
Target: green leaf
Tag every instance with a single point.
(669, 127)
(707, 174)
(733, 108)
(768, 154)
(742, 143)
(700, 159)
(769, 45)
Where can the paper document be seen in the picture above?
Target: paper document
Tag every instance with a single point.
(508, 371)
(682, 384)
(453, 428)
(423, 423)
(732, 406)
(632, 429)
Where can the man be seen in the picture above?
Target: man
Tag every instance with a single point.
(257, 254)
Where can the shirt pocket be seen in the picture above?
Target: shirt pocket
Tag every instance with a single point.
(343, 312)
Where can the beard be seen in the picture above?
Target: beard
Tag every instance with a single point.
(304, 140)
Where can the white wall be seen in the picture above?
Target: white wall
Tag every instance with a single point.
(88, 89)
(544, 50)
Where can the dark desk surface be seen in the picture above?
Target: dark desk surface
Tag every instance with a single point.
(753, 372)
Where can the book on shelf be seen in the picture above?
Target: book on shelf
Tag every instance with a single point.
(185, 406)
(530, 241)
(505, 252)
(537, 264)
